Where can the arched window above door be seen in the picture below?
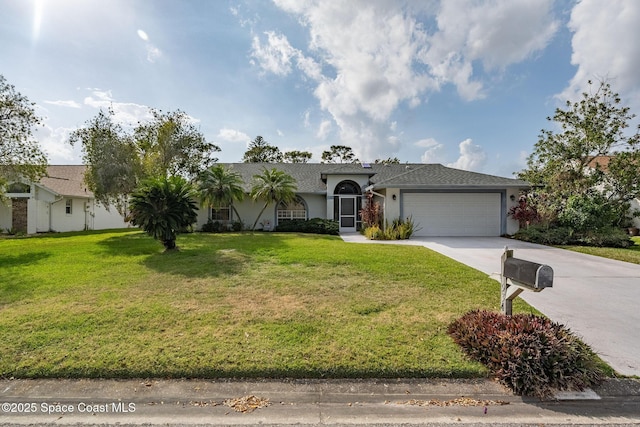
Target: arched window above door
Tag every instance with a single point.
(347, 187)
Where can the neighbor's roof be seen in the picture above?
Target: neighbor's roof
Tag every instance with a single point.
(310, 176)
(601, 162)
(66, 180)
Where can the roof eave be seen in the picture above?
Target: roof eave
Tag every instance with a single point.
(451, 186)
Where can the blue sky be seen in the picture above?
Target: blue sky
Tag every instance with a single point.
(465, 83)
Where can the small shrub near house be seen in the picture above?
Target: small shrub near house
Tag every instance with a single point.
(313, 225)
(398, 230)
(212, 226)
(529, 354)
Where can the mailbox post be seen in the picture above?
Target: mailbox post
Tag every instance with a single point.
(518, 275)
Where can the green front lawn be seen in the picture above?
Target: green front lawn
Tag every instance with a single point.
(112, 304)
(631, 254)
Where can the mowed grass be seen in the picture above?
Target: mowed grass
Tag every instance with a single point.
(631, 254)
(113, 305)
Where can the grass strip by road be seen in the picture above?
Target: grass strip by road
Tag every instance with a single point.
(631, 254)
(113, 305)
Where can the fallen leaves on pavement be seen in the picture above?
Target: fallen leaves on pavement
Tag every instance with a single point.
(461, 401)
(247, 404)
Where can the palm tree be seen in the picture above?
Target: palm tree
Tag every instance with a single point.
(219, 186)
(163, 207)
(272, 186)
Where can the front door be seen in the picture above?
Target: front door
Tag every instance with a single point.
(348, 214)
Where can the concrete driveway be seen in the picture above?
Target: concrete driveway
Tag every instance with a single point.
(597, 298)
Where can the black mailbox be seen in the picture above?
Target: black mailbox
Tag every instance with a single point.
(531, 274)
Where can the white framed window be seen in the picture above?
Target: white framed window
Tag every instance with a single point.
(68, 206)
(221, 213)
(296, 209)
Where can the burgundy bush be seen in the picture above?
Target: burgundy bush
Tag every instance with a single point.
(529, 354)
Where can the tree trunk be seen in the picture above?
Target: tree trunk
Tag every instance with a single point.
(169, 245)
(236, 212)
(259, 215)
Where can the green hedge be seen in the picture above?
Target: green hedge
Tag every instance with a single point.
(313, 225)
(605, 237)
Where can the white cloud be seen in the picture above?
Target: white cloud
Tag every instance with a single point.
(125, 113)
(497, 33)
(605, 45)
(54, 144)
(61, 103)
(472, 157)
(427, 143)
(434, 153)
(233, 135)
(362, 75)
(324, 129)
(153, 53)
(274, 56)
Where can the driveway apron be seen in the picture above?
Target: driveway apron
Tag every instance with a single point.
(597, 298)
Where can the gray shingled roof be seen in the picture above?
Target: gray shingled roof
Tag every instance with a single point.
(434, 176)
(66, 180)
(307, 175)
(413, 175)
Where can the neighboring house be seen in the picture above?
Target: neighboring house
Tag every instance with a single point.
(441, 201)
(59, 202)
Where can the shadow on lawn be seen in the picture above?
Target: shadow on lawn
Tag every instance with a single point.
(199, 254)
(11, 288)
(8, 261)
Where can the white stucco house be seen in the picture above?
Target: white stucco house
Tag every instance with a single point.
(442, 201)
(59, 202)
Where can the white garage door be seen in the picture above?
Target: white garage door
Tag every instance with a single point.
(454, 214)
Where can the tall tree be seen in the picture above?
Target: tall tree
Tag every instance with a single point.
(171, 144)
(163, 207)
(117, 160)
(272, 186)
(114, 164)
(260, 151)
(339, 154)
(296, 156)
(20, 154)
(219, 186)
(594, 151)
